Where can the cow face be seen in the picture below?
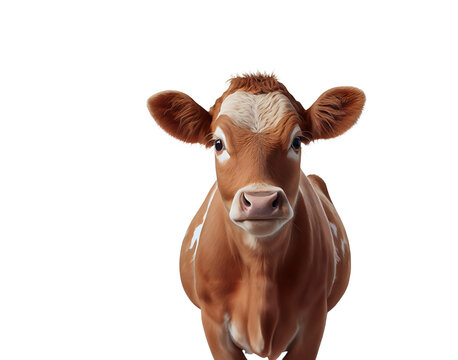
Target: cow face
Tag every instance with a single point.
(257, 143)
(256, 130)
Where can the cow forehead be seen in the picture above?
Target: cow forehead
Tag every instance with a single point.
(256, 112)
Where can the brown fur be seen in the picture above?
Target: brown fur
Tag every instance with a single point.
(335, 112)
(277, 291)
(180, 116)
(332, 114)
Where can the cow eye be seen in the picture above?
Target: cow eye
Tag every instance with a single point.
(219, 145)
(296, 145)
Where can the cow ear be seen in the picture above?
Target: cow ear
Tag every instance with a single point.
(180, 116)
(334, 112)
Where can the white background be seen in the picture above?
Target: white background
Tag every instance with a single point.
(95, 198)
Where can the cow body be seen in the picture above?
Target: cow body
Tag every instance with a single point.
(264, 300)
(266, 256)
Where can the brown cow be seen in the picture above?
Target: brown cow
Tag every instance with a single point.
(266, 256)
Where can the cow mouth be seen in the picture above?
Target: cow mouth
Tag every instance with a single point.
(261, 227)
(260, 219)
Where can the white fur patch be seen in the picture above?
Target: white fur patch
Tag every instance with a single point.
(197, 231)
(196, 236)
(336, 255)
(256, 112)
(343, 245)
(237, 337)
(334, 235)
(333, 229)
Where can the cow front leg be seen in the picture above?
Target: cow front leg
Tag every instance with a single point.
(219, 341)
(308, 340)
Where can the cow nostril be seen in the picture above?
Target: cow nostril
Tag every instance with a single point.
(245, 200)
(275, 202)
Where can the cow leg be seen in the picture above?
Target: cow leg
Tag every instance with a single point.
(218, 338)
(307, 342)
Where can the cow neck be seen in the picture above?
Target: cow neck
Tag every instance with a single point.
(259, 256)
(260, 266)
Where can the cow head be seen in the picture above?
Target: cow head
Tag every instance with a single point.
(256, 129)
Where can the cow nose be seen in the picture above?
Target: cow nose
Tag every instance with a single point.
(260, 209)
(260, 204)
